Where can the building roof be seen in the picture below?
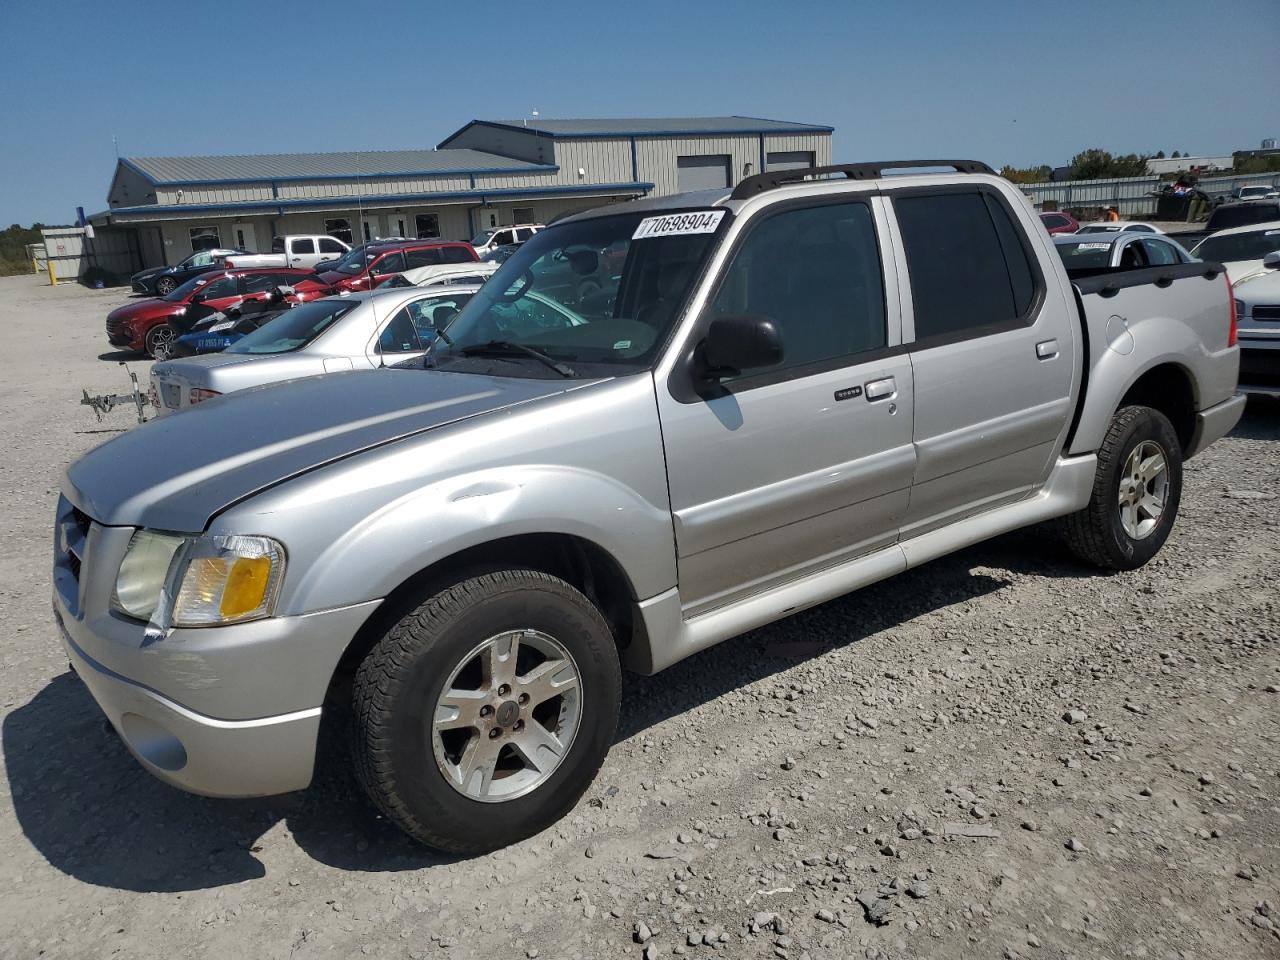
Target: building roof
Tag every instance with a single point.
(646, 127)
(254, 168)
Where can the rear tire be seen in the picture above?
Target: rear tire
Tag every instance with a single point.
(467, 748)
(1136, 492)
(166, 285)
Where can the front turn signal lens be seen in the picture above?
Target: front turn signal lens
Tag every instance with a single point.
(229, 580)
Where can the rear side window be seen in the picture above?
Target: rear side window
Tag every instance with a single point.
(1159, 252)
(966, 260)
(422, 258)
(458, 255)
(815, 272)
(400, 335)
(303, 245)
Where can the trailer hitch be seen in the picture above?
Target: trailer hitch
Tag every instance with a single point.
(106, 402)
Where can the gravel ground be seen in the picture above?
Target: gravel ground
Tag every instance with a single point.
(1002, 754)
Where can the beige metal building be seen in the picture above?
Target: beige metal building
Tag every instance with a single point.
(489, 173)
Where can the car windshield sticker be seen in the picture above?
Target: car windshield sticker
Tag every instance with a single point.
(678, 224)
(1094, 246)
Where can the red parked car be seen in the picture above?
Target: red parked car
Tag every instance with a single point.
(373, 263)
(1057, 222)
(143, 324)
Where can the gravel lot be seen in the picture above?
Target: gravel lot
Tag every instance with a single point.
(1002, 754)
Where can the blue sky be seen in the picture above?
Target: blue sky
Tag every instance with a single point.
(1003, 82)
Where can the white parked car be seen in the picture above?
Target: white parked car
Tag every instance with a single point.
(300, 250)
(1258, 325)
(1240, 249)
(1118, 226)
(437, 274)
(354, 331)
(487, 240)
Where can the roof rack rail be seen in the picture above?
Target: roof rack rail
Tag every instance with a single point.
(750, 186)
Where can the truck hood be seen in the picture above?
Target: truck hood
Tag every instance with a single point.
(178, 472)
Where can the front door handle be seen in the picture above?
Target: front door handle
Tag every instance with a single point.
(1047, 349)
(884, 389)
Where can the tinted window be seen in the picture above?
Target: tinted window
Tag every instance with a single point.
(222, 287)
(815, 273)
(1243, 214)
(956, 247)
(399, 335)
(1239, 246)
(457, 255)
(294, 328)
(523, 234)
(257, 282)
(1085, 254)
(277, 244)
(303, 245)
(329, 245)
(1159, 252)
(391, 263)
(1056, 221)
(422, 258)
(1133, 257)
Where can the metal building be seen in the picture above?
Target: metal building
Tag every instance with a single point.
(489, 173)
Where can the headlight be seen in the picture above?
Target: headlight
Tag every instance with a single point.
(198, 581)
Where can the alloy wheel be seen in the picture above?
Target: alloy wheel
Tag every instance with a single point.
(507, 716)
(1144, 484)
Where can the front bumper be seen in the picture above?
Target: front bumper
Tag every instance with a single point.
(143, 286)
(224, 711)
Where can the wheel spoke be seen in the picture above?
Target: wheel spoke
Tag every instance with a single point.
(476, 765)
(1151, 506)
(459, 708)
(499, 659)
(550, 679)
(1129, 516)
(537, 746)
(1151, 468)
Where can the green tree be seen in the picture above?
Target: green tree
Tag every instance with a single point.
(1096, 164)
(1027, 174)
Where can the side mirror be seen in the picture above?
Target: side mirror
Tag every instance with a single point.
(1272, 260)
(739, 342)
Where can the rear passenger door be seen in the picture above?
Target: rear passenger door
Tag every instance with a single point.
(993, 350)
(785, 470)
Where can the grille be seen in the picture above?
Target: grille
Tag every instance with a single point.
(74, 558)
(1270, 312)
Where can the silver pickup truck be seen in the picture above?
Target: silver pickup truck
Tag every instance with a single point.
(791, 390)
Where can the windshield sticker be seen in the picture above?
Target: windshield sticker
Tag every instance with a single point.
(678, 224)
(1094, 246)
(622, 345)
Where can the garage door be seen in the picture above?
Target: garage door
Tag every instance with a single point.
(702, 173)
(790, 160)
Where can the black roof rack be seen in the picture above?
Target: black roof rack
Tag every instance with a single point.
(761, 182)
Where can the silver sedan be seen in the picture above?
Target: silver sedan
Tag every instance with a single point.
(358, 331)
(1124, 251)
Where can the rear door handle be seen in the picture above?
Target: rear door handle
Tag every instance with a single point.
(883, 389)
(1047, 349)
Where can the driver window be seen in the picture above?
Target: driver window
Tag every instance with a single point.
(391, 263)
(222, 287)
(400, 335)
(1159, 252)
(816, 274)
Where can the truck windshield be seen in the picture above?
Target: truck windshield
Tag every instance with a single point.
(1239, 246)
(587, 293)
(294, 328)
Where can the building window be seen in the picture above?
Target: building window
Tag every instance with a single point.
(789, 160)
(204, 238)
(339, 227)
(702, 173)
(522, 215)
(428, 225)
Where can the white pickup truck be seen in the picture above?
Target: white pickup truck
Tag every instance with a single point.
(300, 250)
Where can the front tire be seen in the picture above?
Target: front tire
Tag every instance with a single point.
(483, 715)
(1136, 492)
(159, 341)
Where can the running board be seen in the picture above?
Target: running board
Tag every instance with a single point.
(671, 637)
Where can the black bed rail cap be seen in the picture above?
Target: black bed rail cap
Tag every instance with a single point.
(750, 186)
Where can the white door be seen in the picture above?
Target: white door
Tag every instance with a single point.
(371, 228)
(243, 237)
(397, 224)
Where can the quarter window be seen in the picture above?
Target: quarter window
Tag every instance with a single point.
(968, 267)
(400, 335)
(814, 272)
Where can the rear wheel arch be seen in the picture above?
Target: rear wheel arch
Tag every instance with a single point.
(1169, 388)
(582, 564)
